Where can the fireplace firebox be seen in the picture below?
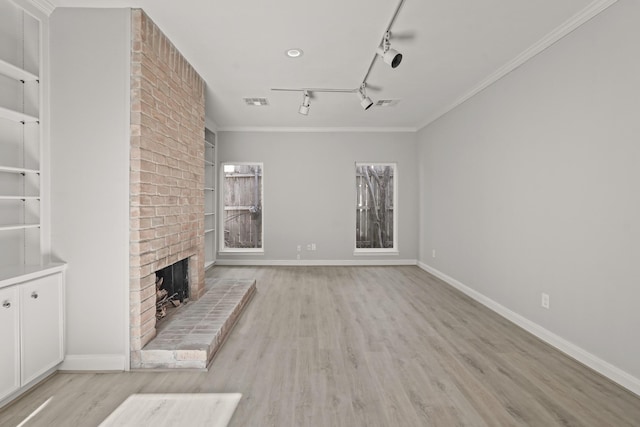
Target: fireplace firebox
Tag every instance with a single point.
(175, 280)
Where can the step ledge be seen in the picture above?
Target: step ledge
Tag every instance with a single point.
(225, 302)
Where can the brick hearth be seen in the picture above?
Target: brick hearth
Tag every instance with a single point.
(192, 337)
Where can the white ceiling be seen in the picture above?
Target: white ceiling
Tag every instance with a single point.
(238, 47)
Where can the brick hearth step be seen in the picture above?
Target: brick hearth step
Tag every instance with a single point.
(191, 338)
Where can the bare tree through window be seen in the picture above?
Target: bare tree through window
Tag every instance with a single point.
(375, 200)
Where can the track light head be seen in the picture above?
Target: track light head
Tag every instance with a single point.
(306, 104)
(365, 101)
(390, 56)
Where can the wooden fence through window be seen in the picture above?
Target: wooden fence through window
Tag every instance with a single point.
(243, 206)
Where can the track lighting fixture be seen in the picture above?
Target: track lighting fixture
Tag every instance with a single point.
(365, 101)
(304, 107)
(389, 56)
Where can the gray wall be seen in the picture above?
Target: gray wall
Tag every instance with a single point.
(90, 179)
(309, 194)
(533, 186)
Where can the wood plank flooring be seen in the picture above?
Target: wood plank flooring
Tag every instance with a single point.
(362, 346)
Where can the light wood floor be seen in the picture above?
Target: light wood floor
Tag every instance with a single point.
(362, 346)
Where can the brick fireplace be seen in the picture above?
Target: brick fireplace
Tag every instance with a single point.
(166, 172)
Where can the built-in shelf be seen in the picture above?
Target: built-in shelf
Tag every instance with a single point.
(20, 198)
(18, 227)
(17, 170)
(21, 149)
(210, 184)
(17, 116)
(16, 73)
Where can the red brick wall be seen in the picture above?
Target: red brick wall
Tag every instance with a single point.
(167, 171)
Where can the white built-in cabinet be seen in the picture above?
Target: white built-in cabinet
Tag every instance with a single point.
(31, 289)
(32, 319)
(210, 217)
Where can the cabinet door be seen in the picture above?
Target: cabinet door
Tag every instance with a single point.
(41, 320)
(10, 339)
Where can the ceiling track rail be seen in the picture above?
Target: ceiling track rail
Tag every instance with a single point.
(381, 51)
(387, 31)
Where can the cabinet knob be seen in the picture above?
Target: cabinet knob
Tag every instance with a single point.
(34, 295)
(6, 304)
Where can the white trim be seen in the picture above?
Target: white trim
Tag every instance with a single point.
(94, 362)
(316, 262)
(44, 5)
(382, 251)
(238, 251)
(592, 10)
(36, 6)
(375, 252)
(315, 129)
(45, 138)
(126, 288)
(241, 251)
(610, 371)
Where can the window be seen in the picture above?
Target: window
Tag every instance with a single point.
(242, 204)
(376, 189)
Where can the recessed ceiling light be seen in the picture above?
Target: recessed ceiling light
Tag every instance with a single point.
(294, 53)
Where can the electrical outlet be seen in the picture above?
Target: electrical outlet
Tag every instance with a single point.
(433, 253)
(309, 247)
(299, 248)
(313, 246)
(545, 300)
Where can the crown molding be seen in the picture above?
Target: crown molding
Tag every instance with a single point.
(315, 129)
(586, 14)
(36, 6)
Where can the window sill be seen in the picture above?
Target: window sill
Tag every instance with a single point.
(241, 252)
(376, 252)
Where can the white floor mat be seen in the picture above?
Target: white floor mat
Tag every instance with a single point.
(184, 409)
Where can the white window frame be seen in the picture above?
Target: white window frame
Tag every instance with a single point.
(378, 251)
(221, 215)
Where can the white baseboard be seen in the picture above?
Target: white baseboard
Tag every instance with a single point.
(93, 362)
(610, 371)
(315, 262)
